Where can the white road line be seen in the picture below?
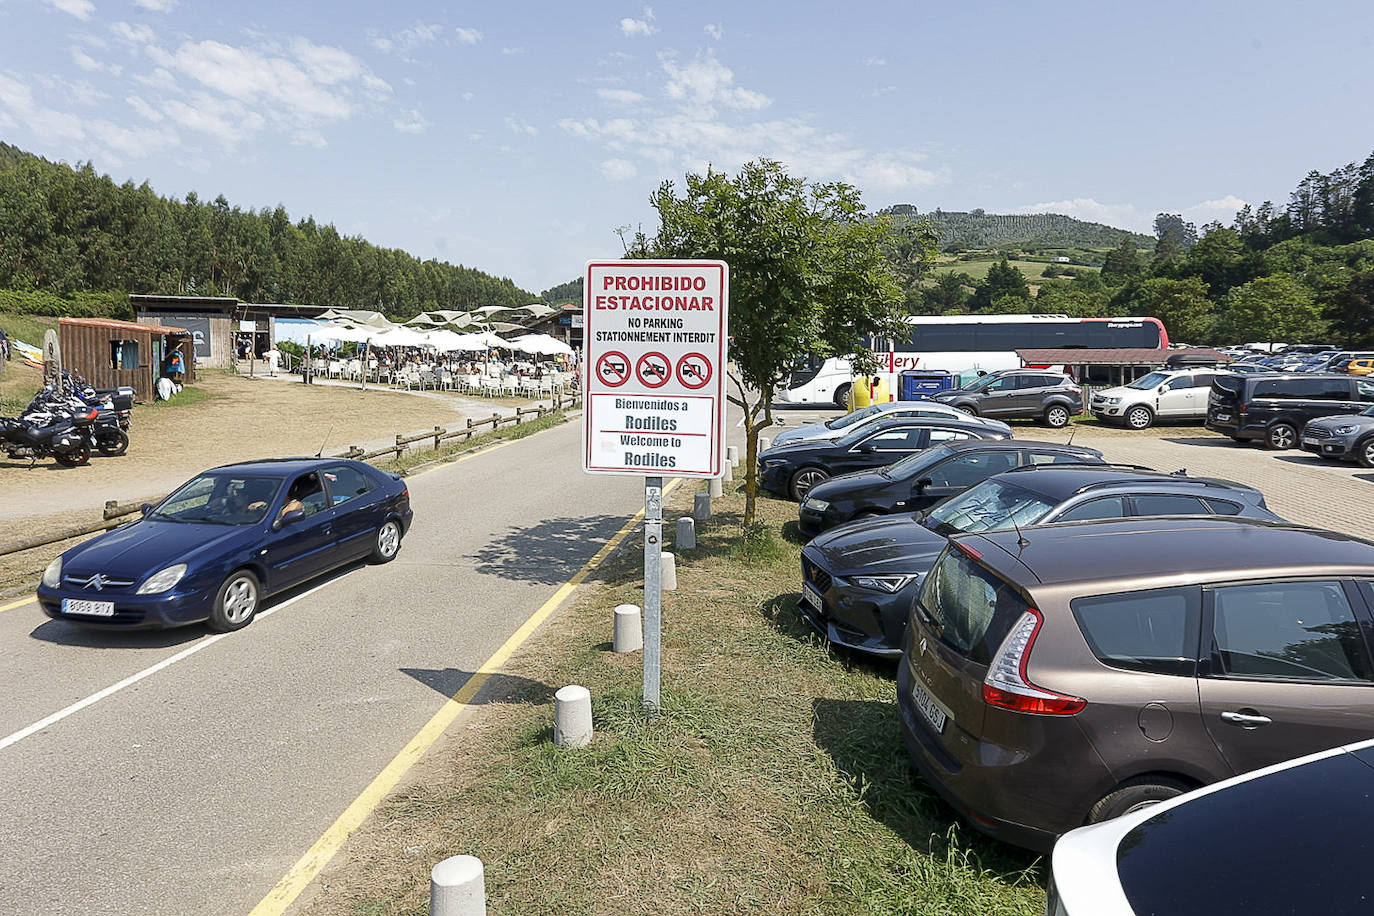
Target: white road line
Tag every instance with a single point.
(146, 672)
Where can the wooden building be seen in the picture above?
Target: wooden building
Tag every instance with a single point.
(112, 353)
(218, 323)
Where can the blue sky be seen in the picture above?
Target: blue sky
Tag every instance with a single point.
(516, 137)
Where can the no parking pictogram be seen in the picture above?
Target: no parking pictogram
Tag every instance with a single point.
(694, 370)
(613, 368)
(653, 369)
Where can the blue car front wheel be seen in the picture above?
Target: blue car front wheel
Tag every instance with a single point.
(236, 602)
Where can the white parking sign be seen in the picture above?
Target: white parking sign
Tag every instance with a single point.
(655, 350)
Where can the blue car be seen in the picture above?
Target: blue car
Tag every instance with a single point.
(225, 540)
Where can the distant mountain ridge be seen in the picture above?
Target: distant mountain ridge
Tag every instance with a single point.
(977, 229)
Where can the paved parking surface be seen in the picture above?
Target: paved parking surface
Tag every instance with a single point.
(1296, 485)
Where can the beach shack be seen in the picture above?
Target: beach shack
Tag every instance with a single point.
(112, 354)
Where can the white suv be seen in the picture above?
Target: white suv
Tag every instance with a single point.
(1165, 394)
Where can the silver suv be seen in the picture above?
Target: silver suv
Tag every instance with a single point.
(1165, 394)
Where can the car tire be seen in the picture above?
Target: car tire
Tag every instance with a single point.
(1140, 417)
(1281, 436)
(236, 602)
(803, 480)
(1364, 452)
(1056, 416)
(842, 397)
(1134, 795)
(388, 542)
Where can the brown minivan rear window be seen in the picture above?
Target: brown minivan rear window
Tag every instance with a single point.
(970, 609)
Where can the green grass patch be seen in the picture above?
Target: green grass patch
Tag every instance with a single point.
(774, 779)
(27, 328)
(422, 455)
(188, 395)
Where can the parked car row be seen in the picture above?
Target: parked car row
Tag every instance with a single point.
(1275, 408)
(1077, 640)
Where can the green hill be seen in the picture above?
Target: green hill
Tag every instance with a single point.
(960, 230)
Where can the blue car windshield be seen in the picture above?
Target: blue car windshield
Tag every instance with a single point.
(853, 417)
(220, 499)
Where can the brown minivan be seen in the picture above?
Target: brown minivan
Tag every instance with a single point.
(1065, 675)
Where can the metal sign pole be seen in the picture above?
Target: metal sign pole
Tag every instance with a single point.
(653, 590)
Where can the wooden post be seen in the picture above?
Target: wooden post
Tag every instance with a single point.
(438, 431)
(400, 446)
(469, 427)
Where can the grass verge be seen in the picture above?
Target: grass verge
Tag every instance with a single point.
(774, 781)
(410, 460)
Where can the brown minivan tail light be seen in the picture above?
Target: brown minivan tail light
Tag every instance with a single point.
(1007, 685)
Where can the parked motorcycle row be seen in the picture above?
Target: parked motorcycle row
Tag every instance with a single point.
(68, 421)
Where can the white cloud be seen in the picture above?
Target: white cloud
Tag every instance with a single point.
(157, 6)
(874, 62)
(133, 34)
(326, 64)
(53, 126)
(143, 109)
(520, 127)
(620, 96)
(715, 30)
(226, 120)
(158, 79)
(468, 36)
(639, 27)
(385, 45)
(1223, 209)
(510, 52)
(619, 169)
(467, 96)
(706, 81)
(133, 141)
(78, 93)
(81, 9)
(410, 121)
(85, 61)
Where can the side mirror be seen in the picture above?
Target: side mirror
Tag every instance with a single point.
(922, 484)
(866, 449)
(289, 518)
(146, 509)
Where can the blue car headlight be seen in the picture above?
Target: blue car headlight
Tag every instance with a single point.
(888, 584)
(52, 576)
(162, 580)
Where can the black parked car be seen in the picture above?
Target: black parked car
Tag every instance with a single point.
(1274, 407)
(793, 470)
(1029, 393)
(921, 480)
(859, 580)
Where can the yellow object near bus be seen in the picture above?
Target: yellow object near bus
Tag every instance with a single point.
(859, 395)
(1360, 367)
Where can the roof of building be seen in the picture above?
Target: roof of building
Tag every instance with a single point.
(120, 325)
(1119, 356)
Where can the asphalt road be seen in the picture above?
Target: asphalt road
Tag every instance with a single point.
(193, 790)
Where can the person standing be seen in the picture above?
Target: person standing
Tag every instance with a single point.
(176, 367)
(273, 357)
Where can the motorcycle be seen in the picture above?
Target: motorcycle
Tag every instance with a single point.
(66, 439)
(106, 435)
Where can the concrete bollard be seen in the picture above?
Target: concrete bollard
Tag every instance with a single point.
(727, 473)
(572, 716)
(701, 506)
(765, 443)
(686, 534)
(716, 488)
(457, 887)
(629, 632)
(732, 455)
(667, 564)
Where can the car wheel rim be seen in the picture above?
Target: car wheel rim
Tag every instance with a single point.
(807, 480)
(239, 600)
(1283, 437)
(1369, 453)
(388, 539)
(1058, 417)
(1140, 419)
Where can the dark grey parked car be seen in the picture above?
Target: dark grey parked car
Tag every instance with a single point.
(859, 580)
(1346, 436)
(1068, 674)
(1028, 393)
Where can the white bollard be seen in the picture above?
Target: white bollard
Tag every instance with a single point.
(686, 534)
(765, 443)
(716, 489)
(667, 564)
(701, 507)
(572, 716)
(727, 473)
(457, 887)
(732, 455)
(629, 632)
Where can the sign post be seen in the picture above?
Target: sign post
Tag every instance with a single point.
(654, 347)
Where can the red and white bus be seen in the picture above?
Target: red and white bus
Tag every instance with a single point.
(965, 345)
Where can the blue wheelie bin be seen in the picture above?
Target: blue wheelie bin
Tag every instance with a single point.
(920, 384)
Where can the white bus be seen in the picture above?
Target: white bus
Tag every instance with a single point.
(965, 345)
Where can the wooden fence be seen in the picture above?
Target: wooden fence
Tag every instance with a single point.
(114, 514)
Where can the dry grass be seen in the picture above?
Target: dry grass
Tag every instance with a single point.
(773, 782)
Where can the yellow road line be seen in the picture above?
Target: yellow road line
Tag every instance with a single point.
(318, 856)
(14, 604)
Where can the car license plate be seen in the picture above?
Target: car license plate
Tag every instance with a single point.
(1223, 416)
(928, 707)
(812, 597)
(89, 608)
